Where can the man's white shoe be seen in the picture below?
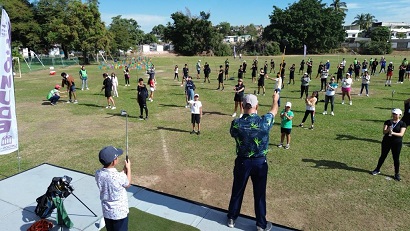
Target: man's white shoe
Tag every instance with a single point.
(234, 114)
(332, 113)
(324, 113)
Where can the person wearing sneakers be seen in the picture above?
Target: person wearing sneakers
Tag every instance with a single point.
(69, 81)
(286, 125)
(107, 86)
(239, 92)
(196, 114)
(142, 98)
(310, 109)
(189, 90)
(393, 130)
(84, 78)
(365, 83)
(330, 95)
(54, 95)
(389, 74)
(251, 134)
(346, 85)
(151, 83)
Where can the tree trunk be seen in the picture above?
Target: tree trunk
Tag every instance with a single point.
(86, 61)
(65, 51)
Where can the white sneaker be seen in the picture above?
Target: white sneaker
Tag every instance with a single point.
(367, 95)
(359, 94)
(350, 103)
(88, 88)
(324, 113)
(343, 102)
(108, 106)
(234, 114)
(240, 116)
(332, 113)
(113, 108)
(75, 101)
(149, 99)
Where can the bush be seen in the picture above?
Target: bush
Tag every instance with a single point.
(223, 49)
(375, 48)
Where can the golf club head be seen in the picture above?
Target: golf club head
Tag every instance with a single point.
(123, 112)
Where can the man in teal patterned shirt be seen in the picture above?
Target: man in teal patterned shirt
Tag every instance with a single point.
(251, 134)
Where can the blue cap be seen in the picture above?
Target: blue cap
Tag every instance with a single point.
(108, 154)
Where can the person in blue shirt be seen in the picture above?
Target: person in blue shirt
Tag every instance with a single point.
(251, 134)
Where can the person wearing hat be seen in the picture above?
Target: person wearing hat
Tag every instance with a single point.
(54, 95)
(239, 93)
(304, 85)
(286, 125)
(251, 134)
(390, 69)
(393, 130)
(112, 186)
(196, 114)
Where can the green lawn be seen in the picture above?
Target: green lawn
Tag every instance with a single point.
(320, 183)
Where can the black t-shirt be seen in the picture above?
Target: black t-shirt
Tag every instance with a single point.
(240, 73)
(185, 70)
(239, 87)
(107, 84)
(396, 128)
(142, 92)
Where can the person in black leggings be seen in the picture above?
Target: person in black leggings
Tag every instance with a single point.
(393, 131)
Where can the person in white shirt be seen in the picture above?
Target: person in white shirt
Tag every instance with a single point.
(310, 109)
(346, 85)
(196, 113)
(365, 83)
(114, 81)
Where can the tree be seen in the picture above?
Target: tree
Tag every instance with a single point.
(126, 33)
(158, 30)
(72, 25)
(380, 34)
(25, 30)
(224, 28)
(192, 35)
(365, 21)
(149, 38)
(339, 6)
(308, 22)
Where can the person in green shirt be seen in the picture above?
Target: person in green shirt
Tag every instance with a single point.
(286, 125)
(84, 78)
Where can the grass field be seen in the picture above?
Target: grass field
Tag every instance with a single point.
(320, 183)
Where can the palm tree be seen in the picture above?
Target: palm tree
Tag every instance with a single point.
(359, 20)
(369, 20)
(339, 6)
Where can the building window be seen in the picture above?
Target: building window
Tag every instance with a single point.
(353, 35)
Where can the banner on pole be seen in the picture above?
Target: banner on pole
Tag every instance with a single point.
(304, 50)
(8, 120)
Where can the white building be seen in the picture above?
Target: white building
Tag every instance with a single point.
(237, 38)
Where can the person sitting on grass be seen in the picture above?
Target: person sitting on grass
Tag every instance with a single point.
(54, 95)
(196, 114)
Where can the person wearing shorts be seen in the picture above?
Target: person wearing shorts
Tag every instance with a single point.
(239, 92)
(261, 81)
(196, 114)
(107, 86)
(346, 85)
(389, 74)
(286, 125)
(221, 78)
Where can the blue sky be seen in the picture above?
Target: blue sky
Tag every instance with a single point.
(239, 12)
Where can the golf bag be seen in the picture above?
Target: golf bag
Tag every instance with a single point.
(59, 187)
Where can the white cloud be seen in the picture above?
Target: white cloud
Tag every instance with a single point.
(353, 5)
(147, 22)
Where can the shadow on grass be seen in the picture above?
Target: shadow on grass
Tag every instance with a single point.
(350, 137)
(215, 113)
(92, 105)
(383, 108)
(170, 105)
(173, 129)
(376, 121)
(331, 164)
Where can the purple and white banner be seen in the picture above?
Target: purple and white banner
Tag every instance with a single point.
(8, 121)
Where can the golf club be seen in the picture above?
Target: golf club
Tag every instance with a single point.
(124, 112)
(392, 96)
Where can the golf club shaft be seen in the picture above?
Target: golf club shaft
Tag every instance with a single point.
(126, 137)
